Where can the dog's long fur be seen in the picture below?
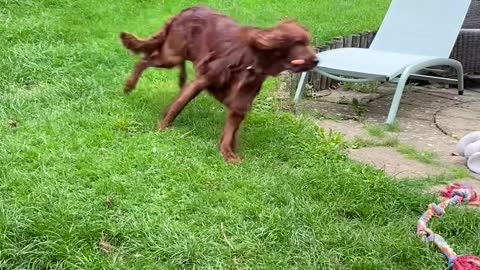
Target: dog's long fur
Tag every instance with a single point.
(231, 61)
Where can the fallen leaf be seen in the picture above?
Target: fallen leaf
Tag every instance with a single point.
(104, 246)
(109, 202)
(12, 123)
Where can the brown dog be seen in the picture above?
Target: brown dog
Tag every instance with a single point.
(231, 61)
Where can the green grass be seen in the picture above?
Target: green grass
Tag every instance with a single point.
(370, 87)
(86, 182)
(427, 157)
(375, 130)
(359, 142)
(380, 130)
(379, 135)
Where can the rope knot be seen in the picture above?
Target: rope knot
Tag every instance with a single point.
(461, 193)
(438, 210)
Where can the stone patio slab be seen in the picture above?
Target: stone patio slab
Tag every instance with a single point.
(460, 119)
(394, 163)
(348, 128)
(431, 118)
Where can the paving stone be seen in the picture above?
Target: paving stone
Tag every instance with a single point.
(459, 120)
(394, 163)
(425, 136)
(346, 97)
(349, 128)
(331, 109)
(452, 93)
(413, 106)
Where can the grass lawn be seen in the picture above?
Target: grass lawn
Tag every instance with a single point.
(86, 182)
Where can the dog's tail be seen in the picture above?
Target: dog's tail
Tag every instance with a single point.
(148, 45)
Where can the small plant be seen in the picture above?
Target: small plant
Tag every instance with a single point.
(459, 172)
(410, 86)
(266, 104)
(369, 87)
(347, 85)
(375, 130)
(363, 142)
(332, 139)
(380, 130)
(359, 108)
(124, 124)
(394, 127)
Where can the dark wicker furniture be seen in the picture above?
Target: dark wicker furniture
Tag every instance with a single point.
(467, 47)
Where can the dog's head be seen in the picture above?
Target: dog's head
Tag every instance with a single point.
(286, 46)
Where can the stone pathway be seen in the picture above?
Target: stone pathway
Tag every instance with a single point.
(394, 163)
(430, 120)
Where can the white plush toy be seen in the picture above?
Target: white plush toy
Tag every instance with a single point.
(469, 147)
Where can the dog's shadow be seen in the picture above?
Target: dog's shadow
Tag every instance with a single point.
(203, 120)
(203, 117)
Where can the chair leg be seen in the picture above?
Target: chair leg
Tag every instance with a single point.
(460, 77)
(414, 68)
(300, 86)
(392, 114)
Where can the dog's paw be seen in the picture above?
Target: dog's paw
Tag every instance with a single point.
(129, 86)
(162, 125)
(232, 158)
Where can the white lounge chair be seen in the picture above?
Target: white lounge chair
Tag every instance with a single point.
(414, 35)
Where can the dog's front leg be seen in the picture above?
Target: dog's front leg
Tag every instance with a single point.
(188, 93)
(227, 141)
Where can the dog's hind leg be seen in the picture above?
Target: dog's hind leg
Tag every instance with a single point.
(136, 73)
(154, 60)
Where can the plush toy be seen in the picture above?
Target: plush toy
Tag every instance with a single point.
(469, 147)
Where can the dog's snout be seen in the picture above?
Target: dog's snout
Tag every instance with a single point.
(316, 61)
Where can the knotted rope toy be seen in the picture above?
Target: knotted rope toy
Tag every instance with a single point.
(454, 194)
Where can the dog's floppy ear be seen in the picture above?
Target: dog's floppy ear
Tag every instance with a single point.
(277, 37)
(265, 38)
